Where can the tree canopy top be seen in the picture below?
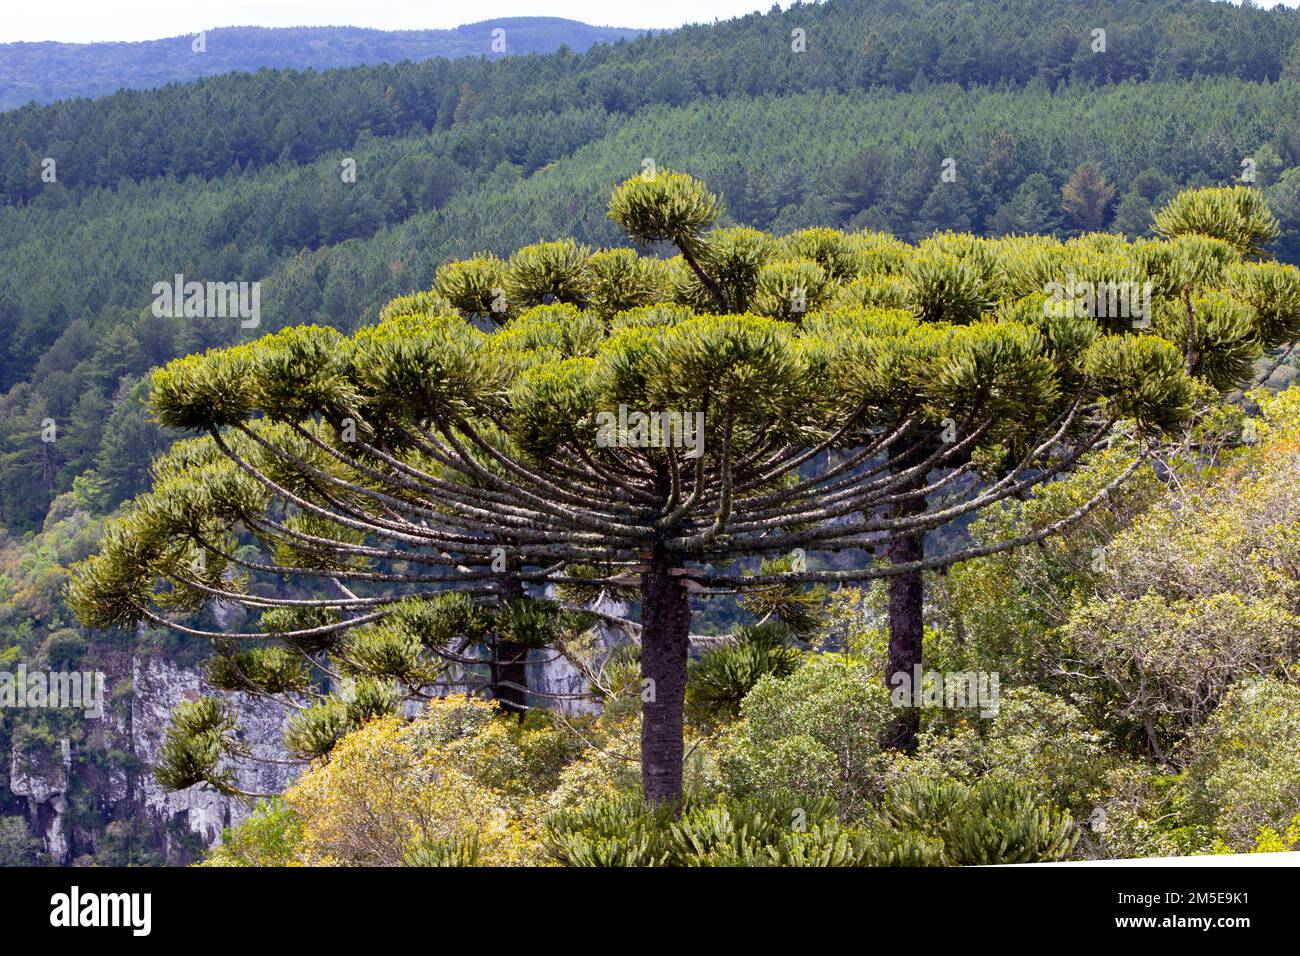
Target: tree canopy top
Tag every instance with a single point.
(976, 368)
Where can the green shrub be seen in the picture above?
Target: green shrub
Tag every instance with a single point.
(453, 852)
(269, 836)
(722, 677)
(17, 845)
(1037, 739)
(619, 832)
(816, 733)
(728, 832)
(988, 823)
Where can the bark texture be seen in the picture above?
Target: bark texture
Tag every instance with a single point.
(510, 662)
(906, 621)
(665, 638)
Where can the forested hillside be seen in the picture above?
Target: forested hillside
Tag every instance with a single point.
(228, 123)
(44, 71)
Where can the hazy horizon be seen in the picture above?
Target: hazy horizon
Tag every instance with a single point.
(87, 21)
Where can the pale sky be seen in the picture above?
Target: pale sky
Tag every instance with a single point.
(82, 21)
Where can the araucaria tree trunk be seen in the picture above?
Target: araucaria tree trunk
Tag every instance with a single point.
(510, 660)
(510, 676)
(906, 619)
(906, 630)
(665, 637)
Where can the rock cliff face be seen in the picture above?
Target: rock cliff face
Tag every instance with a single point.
(76, 795)
(160, 687)
(43, 779)
(556, 682)
(110, 770)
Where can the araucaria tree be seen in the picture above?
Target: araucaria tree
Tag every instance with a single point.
(755, 414)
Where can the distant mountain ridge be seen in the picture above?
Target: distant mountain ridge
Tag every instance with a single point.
(48, 71)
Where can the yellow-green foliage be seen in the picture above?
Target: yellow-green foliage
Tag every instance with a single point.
(1237, 214)
(1201, 591)
(1243, 774)
(417, 303)
(456, 772)
(665, 206)
(549, 272)
(475, 287)
(622, 280)
(1270, 840)
(610, 764)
